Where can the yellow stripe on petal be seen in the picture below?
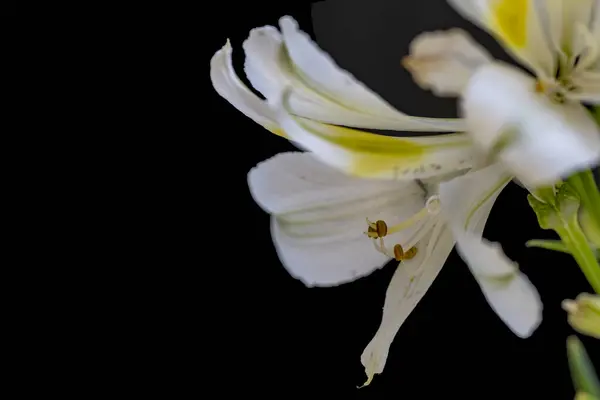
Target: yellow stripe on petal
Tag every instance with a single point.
(371, 154)
(509, 20)
(366, 142)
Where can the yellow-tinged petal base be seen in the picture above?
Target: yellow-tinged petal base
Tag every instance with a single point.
(509, 20)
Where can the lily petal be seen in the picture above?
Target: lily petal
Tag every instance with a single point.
(587, 86)
(587, 96)
(466, 204)
(408, 286)
(269, 70)
(319, 216)
(549, 140)
(575, 15)
(322, 91)
(365, 154)
(444, 61)
(519, 26)
(509, 292)
(231, 88)
(595, 20)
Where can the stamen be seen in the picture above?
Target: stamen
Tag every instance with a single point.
(401, 255)
(410, 253)
(381, 228)
(377, 230)
(398, 252)
(555, 90)
(408, 222)
(380, 247)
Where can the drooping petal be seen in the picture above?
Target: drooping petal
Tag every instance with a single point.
(321, 90)
(370, 155)
(509, 292)
(466, 204)
(444, 61)
(231, 88)
(319, 216)
(522, 26)
(409, 284)
(538, 139)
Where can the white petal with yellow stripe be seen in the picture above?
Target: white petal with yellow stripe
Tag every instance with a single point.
(365, 154)
(522, 26)
(358, 152)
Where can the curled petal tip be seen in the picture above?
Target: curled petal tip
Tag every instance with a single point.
(406, 62)
(367, 382)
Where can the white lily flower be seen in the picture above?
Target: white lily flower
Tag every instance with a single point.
(318, 212)
(323, 98)
(322, 237)
(535, 125)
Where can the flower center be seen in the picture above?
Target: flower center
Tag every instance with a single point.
(556, 91)
(379, 229)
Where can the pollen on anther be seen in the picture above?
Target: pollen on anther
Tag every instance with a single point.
(377, 230)
(410, 253)
(372, 233)
(398, 252)
(381, 228)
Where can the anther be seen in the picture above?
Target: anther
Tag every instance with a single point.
(377, 230)
(398, 252)
(410, 253)
(401, 255)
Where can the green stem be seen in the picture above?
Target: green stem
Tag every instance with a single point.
(575, 240)
(589, 194)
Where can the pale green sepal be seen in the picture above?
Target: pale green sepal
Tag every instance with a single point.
(554, 245)
(582, 371)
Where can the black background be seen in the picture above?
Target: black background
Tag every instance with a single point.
(272, 335)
